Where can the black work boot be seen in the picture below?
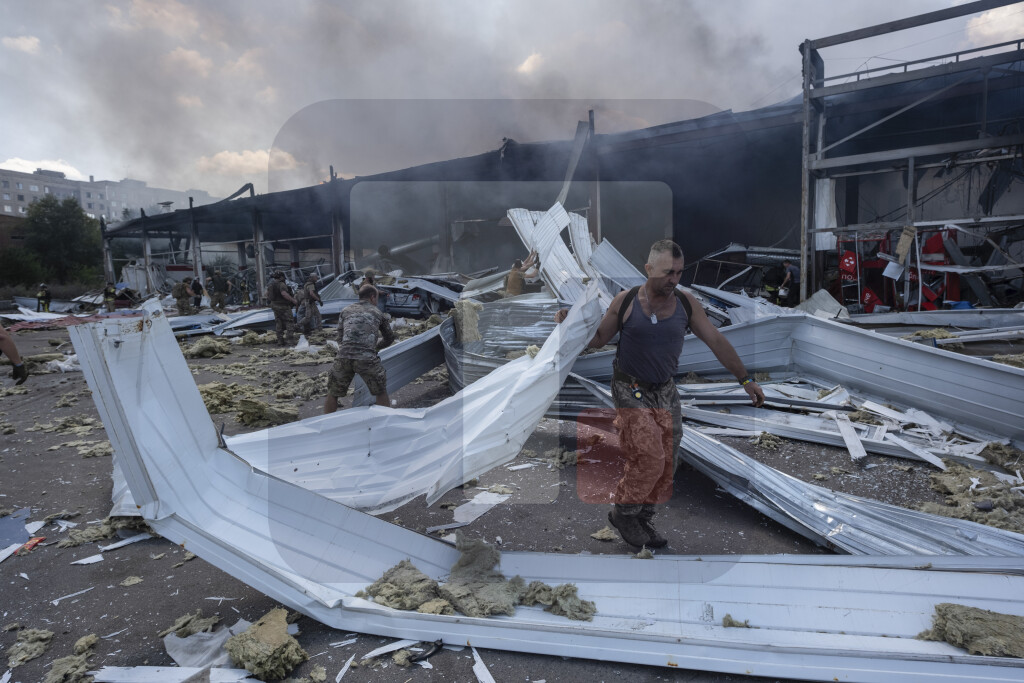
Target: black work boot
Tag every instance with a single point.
(629, 528)
(645, 518)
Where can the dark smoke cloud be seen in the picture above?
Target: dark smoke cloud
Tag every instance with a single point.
(151, 88)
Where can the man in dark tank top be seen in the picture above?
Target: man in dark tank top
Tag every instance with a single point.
(648, 414)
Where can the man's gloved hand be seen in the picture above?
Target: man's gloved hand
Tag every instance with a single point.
(20, 373)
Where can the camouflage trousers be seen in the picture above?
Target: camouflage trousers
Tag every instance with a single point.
(184, 305)
(283, 321)
(345, 370)
(217, 301)
(649, 431)
(109, 305)
(309, 318)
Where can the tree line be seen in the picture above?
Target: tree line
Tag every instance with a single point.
(62, 245)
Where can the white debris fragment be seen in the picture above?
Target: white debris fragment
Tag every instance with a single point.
(33, 527)
(128, 541)
(480, 669)
(344, 669)
(23, 575)
(343, 643)
(524, 466)
(92, 559)
(70, 595)
(9, 550)
(425, 664)
(391, 647)
(481, 503)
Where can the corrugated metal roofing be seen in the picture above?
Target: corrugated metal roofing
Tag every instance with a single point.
(816, 620)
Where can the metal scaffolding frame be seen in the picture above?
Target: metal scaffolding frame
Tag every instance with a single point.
(818, 88)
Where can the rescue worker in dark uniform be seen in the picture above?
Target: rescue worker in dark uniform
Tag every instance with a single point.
(648, 415)
(43, 298)
(281, 302)
(363, 331)
(110, 297)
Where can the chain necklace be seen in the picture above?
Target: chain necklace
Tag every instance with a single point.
(654, 316)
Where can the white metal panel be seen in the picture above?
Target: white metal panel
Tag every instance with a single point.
(817, 621)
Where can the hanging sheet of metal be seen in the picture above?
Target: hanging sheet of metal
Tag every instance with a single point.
(816, 617)
(541, 232)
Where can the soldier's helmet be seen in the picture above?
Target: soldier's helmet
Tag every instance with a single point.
(278, 275)
(311, 278)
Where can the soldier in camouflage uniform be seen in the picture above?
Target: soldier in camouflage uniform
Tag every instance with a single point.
(182, 293)
(281, 302)
(654, 320)
(364, 330)
(310, 318)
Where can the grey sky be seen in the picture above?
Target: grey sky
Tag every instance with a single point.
(193, 94)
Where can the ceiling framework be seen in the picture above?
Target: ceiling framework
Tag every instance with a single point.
(878, 120)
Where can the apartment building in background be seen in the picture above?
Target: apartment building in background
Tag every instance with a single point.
(107, 199)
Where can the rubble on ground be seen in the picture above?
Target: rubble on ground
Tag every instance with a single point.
(219, 397)
(265, 649)
(416, 327)
(605, 534)
(256, 413)
(106, 529)
(560, 457)
(75, 425)
(1007, 457)
(935, 333)
(208, 347)
(767, 441)
(978, 496)
(32, 643)
(978, 631)
(1014, 359)
(189, 624)
(75, 667)
(474, 588)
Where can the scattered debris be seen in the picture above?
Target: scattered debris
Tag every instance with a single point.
(56, 601)
(66, 400)
(605, 534)
(187, 624)
(561, 458)
(1014, 359)
(63, 514)
(413, 328)
(73, 668)
(131, 581)
(402, 658)
(729, 622)
(978, 631)
(838, 471)
(106, 529)
(188, 556)
(32, 643)
(501, 489)
(1007, 457)
(86, 448)
(935, 333)
(404, 587)
(480, 504)
(251, 338)
(265, 648)
(474, 588)
(978, 496)
(223, 398)
(76, 425)
(480, 669)
(864, 417)
(208, 347)
(767, 441)
(259, 414)
(644, 554)
(318, 674)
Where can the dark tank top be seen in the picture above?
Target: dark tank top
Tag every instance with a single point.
(650, 352)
